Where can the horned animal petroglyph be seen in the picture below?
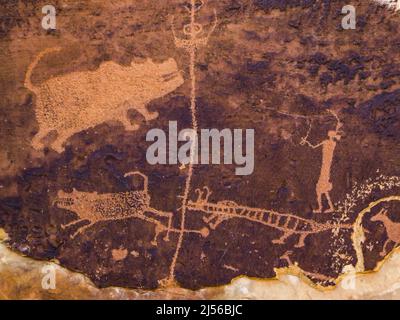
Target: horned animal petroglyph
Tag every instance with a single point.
(94, 208)
(81, 100)
(392, 229)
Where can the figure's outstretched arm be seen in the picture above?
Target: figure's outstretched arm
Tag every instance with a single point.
(305, 141)
(214, 26)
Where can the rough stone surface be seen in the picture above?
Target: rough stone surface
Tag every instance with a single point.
(283, 68)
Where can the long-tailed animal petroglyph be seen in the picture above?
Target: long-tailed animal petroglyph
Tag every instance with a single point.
(324, 184)
(94, 208)
(81, 100)
(392, 229)
(287, 223)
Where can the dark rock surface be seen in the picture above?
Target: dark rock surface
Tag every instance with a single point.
(265, 60)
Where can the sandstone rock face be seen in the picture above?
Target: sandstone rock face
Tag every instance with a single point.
(76, 187)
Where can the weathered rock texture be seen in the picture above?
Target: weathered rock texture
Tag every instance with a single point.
(284, 68)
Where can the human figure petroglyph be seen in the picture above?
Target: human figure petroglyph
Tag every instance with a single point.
(81, 100)
(196, 36)
(94, 208)
(392, 229)
(287, 223)
(324, 184)
(194, 41)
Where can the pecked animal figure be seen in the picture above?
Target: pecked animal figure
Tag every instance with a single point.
(80, 100)
(392, 229)
(93, 208)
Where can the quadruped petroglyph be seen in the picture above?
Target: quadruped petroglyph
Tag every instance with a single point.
(324, 192)
(392, 229)
(94, 208)
(78, 101)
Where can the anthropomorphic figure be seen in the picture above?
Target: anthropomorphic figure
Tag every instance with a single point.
(324, 184)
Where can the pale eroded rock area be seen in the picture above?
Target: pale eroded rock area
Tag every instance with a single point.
(262, 43)
(22, 279)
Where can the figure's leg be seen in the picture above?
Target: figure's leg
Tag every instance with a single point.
(169, 216)
(384, 252)
(210, 218)
(166, 238)
(300, 243)
(58, 145)
(319, 200)
(282, 239)
(62, 137)
(37, 139)
(81, 229)
(158, 230)
(165, 215)
(217, 222)
(127, 124)
(286, 257)
(154, 241)
(142, 109)
(159, 227)
(63, 226)
(331, 206)
(147, 114)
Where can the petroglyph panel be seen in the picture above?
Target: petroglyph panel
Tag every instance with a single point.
(81, 100)
(78, 101)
